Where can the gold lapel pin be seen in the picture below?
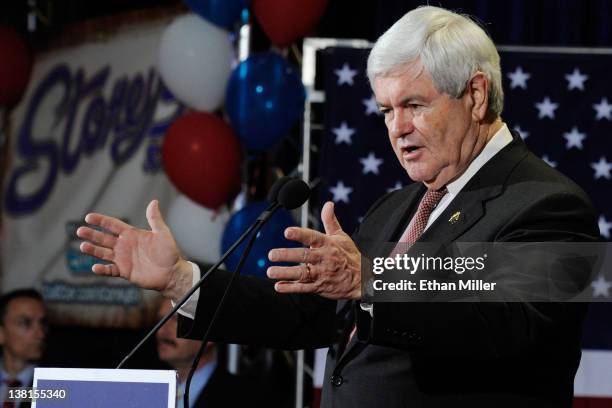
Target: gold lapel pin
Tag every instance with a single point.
(455, 217)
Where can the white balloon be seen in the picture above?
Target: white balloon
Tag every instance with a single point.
(194, 61)
(197, 229)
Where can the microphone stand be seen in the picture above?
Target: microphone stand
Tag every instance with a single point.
(196, 360)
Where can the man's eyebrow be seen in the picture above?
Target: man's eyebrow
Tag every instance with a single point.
(405, 100)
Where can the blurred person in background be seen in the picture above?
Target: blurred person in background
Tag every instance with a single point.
(23, 331)
(211, 386)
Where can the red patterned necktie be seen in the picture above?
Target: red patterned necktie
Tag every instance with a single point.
(419, 221)
(11, 384)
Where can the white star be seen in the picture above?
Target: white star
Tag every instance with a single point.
(601, 287)
(602, 168)
(574, 138)
(604, 227)
(371, 106)
(518, 78)
(548, 161)
(343, 134)
(345, 75)
(341, 192)
(397, 186)
(576, 80)
(546, 108)
(370, 163)
(522, 133)
(604, 109)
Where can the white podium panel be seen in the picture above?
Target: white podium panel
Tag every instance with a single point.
(103, 388)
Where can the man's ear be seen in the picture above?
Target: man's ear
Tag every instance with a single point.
(478, 89)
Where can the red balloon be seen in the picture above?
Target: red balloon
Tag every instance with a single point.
(15, 66)
(284, 21)
(201, 156)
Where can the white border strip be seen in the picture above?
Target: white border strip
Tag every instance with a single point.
(594, 376)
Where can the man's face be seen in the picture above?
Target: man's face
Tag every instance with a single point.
(171, 349)
(24, 331)
(432, 134)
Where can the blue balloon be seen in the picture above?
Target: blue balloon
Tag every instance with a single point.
(264, 98)
(271, 236)
(223, 13)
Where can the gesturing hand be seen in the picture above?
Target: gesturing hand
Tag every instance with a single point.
(331, 263)
(149, 259)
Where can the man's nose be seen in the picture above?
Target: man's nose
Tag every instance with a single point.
(167, 330)
(40, 331)
(402, 123)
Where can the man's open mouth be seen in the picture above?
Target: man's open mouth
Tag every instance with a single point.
(410, 152)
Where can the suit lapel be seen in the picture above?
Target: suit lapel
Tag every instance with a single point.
(469, 205)
(461, 214)
(391, 231)
(345, 319)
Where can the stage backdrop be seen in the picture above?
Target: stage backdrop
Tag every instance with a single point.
(86, 137)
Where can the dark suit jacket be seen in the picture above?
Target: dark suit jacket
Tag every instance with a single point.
(434, 354)
(224, 390)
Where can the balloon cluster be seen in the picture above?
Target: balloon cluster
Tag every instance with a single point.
(262, 98)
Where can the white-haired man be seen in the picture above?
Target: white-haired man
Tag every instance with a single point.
(436, 77)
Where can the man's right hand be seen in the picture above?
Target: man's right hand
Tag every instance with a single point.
(149, 259)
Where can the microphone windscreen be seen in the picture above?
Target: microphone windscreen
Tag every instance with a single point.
(278, 184)
(293, 194)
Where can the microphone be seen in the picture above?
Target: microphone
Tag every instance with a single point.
(286, 192)
(293, 194)
(290, 194)
(272, 196)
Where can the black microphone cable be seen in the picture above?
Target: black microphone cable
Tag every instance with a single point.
(198, 356)
(290, 193)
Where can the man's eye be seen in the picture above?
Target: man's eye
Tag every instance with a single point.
(384, 111)
(24, 323)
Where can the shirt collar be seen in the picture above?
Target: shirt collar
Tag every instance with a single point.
(198, 382)
(500, 139)
(25, 376)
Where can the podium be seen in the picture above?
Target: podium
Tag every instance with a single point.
(103, 388)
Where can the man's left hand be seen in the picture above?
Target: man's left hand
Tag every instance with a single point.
(331, 262)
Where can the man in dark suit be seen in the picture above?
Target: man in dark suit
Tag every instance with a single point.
(437, 79)
(23, 331)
